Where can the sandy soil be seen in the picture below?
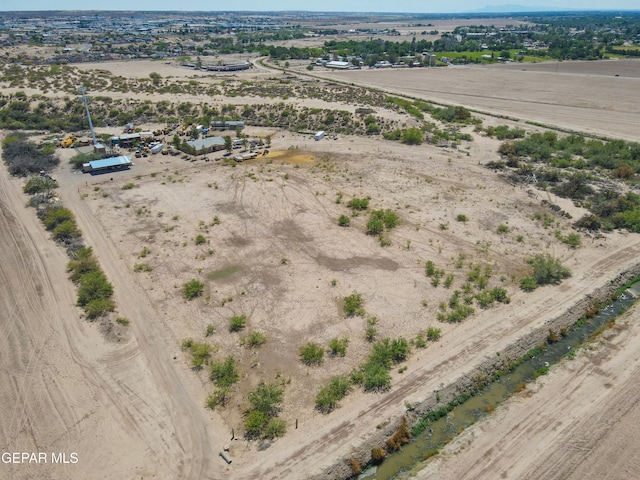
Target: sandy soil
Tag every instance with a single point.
(133, 408)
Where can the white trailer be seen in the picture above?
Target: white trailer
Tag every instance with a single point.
(319, 135)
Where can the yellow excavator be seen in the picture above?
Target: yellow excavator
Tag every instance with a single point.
(68, 141)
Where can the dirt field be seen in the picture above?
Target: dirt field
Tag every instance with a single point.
(126, 400)
(581, 96)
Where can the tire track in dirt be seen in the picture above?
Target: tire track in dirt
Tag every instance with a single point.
(335, 437)
(194, 441)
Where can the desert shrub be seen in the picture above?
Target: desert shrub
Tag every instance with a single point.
(629, 219)
(225, 372)
(275, 428)
(265, 402)
(528, 284)
(199, 352)
(338, 346)
(461, 218)
(218, 397)
(433, 334)
(358, 203)
(312, 354)
(502, 229)
(85, 262)
(142, 267)
(375, 226)
(378, 455)
(420, 341)
(589, 221)
(128, 186)
(93, 286)
(344, 221)
(200, 239)
(354, 305)
(255, 423)
(572, 239)
(24, 157)
(356, 468)
(66, 230)
(122, 320)
(237, 323)
(401, 437)
(38, 184)
(429, 268)
(53, 216)
(254, 339)
(375, 377)
(328, 397)
(98, 307)
(192, 289)
(547, 270)
(411, 136)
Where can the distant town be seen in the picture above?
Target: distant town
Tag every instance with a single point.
(357, 39)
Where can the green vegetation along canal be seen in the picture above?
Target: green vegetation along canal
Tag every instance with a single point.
(441, 431)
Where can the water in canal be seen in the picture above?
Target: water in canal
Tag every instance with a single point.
(443, 430)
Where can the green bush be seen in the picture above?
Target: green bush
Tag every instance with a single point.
(354, 305)
(219, 397)
(528, 284)
(433, 334)
(328, 397)
(429, 268)
(547, 270)
(358, 203)
(237, 323)
(338, 346)
(312, 354)
(411, 136)
(344, 221)
(85, 262)
(376, 377)
(200, 239)
(461, 218)
(255, 423)
(66, 231)
(192, 289)
(128, 186)
(98, 307)
(266, 398)
(54, 216)
(254, 339)
(225, 372)
(93, 286)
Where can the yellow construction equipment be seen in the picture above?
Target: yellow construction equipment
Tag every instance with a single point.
(68, 141)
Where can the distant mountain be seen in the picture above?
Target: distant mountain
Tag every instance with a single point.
(517, 9)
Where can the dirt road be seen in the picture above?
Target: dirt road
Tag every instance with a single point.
(580, 423)
(121, 408)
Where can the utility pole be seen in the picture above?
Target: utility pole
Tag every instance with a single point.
(83, 89)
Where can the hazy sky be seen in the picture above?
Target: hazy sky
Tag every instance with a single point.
(414, 6)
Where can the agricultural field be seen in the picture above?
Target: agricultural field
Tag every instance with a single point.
(254, 300)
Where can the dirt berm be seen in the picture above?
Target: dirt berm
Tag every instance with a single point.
(479, 375)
